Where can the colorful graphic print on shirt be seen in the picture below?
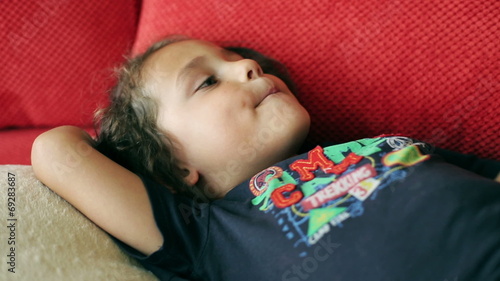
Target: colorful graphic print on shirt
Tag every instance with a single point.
(312, 196)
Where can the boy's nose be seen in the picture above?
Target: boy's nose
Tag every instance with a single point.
(247, 70)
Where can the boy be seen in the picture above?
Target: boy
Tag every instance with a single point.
(373, 209)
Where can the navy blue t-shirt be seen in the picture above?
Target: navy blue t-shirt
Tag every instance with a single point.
(373, 209)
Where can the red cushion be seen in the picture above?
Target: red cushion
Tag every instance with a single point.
(15, 144)
(428, 69)
(57, 58)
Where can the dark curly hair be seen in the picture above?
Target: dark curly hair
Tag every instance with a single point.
(127, 129)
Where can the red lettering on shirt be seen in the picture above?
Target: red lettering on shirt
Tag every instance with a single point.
(351, 159)
(316, 158)
(281, 201)
(338, 188)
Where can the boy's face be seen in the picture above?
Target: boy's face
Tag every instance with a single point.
(226, 118)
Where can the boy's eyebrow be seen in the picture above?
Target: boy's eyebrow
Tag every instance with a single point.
(194, 63)
(226, 52)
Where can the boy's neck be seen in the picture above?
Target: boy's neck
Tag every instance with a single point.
(218, 183)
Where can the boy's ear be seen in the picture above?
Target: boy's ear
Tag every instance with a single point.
(191, 175)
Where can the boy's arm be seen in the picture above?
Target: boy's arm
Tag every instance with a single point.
(111, 196)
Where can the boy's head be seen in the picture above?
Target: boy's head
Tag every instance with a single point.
(218, 114)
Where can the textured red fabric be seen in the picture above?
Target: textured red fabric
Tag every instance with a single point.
(428, 69)
(15, 144)
(57, 58)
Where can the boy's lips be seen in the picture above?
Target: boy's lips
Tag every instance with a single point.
(272, 89)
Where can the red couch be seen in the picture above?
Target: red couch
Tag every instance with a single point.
(429, 69)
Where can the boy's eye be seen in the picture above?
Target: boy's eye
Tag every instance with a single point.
(211, 80)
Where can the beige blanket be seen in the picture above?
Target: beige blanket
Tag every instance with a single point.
(42, 237)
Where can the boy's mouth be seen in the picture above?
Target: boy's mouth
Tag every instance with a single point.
(272, 90)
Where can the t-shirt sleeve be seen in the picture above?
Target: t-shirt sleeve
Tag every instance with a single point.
(182, 223)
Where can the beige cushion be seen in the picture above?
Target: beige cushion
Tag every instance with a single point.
(53, 241)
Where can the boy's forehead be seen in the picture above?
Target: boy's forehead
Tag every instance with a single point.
(175, 56)
(185, 50)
